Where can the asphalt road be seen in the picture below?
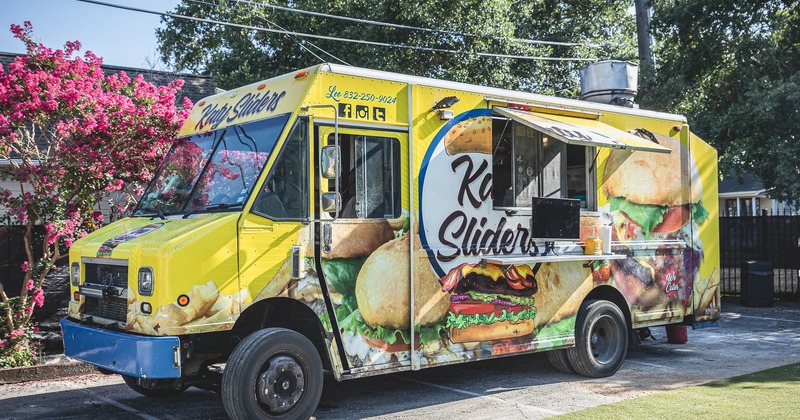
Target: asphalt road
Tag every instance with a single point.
(748, 340)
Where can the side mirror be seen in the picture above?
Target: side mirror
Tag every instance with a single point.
(329, 165)
(331, 202)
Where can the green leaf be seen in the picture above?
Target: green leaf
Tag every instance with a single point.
(342, 273)
(430, 333)
(326, 321)
(645, 215)
(462, 321)
(556, 334)
(699, 213)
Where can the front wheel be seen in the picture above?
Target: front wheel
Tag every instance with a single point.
(601, 340)
(274, 373)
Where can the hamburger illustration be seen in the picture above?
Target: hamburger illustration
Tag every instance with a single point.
(383, 314)
(651, 200)
(490, 302)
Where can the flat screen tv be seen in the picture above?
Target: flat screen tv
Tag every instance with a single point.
(555, 219)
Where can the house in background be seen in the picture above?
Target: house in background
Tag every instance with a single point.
(748, 197)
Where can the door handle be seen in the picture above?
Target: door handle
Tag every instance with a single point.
(327, 237)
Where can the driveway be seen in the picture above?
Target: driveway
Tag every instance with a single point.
(747, 340)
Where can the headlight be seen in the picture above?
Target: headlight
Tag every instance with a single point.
(146, 278)
(75, 274)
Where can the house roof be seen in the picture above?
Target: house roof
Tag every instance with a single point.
(196, 87)
(749, 184)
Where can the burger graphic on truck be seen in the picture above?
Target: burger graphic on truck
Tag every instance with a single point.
(650, 200)
(490, 302)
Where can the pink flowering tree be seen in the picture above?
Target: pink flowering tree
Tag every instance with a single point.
(69, 136)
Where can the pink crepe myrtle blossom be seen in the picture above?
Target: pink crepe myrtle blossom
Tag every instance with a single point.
(38, 297)
(69, 135)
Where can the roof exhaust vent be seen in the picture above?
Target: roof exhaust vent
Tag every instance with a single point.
(610, 82)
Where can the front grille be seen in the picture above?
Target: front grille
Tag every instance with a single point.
(112, 308)
(107, 275)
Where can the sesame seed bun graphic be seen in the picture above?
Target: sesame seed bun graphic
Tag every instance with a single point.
(473, 135)
(382, 292)
(654, 178)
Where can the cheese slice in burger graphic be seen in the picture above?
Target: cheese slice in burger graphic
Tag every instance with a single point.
(656, 197)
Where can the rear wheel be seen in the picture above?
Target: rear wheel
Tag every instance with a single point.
(154, 388)
(274, 373)
(560, 361)
(601, 339)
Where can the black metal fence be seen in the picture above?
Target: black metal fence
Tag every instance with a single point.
(761, 238)
(12, 255)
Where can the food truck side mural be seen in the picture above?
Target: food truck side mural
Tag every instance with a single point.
(657, 204)
(658, 209)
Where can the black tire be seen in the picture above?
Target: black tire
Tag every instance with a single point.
(270, 360)
(162, 389)
(560, 361)
(601, 340)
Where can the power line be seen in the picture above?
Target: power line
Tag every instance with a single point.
(298, 40)
(416, 28)
(330, 38)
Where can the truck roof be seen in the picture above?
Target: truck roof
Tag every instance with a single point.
(495, 92)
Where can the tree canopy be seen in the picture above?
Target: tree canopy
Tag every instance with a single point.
(235, 56)
(733, 67)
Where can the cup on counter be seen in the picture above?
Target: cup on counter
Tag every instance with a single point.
(605, 236)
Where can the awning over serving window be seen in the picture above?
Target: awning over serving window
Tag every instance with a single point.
(581, 131)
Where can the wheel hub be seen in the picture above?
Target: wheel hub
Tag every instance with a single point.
(281, 385)
(604, 340)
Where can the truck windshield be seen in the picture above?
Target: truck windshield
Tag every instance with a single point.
(211, 171)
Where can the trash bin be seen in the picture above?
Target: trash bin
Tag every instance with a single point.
(757, 283)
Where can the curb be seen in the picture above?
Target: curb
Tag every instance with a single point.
(45, 371)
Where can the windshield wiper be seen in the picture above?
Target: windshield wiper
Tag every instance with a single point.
(217, 206)
(158, 212)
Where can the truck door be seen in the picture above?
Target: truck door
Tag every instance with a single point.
(278, 221)
(362, 253)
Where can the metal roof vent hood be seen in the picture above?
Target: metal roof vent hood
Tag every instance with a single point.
(610, 82)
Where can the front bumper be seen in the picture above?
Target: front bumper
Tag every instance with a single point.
(127, 354)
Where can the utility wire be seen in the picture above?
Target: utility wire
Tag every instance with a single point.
(415, 28)
(330, 38)
(300, 41)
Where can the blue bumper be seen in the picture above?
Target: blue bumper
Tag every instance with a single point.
(128, 354)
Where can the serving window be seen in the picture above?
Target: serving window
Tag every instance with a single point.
(530, 163)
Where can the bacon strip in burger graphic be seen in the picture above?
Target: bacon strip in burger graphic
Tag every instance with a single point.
(649, 202)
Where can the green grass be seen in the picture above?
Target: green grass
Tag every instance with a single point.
(769, 394)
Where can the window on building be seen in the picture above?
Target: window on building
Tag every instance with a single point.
(730, 207)
(528, 163)
(369, 181)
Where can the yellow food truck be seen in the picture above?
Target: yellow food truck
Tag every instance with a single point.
(367, 222)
